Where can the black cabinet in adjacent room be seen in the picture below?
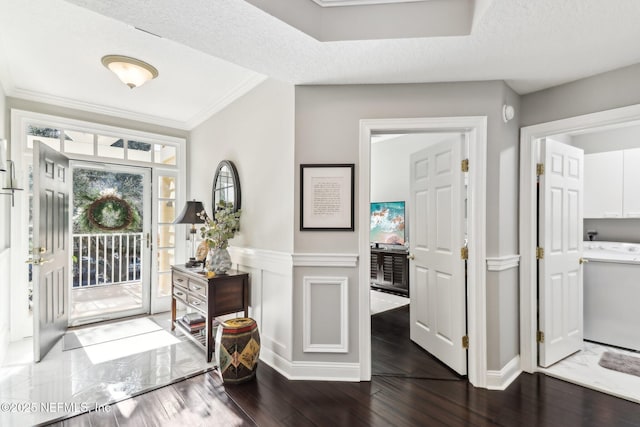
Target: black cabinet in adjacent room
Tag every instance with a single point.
(390, 270)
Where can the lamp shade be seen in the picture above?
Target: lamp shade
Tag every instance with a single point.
(189, 214)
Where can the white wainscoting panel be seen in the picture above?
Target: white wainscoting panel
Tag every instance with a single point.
(325, 314)
(271, 298)
(503, 263)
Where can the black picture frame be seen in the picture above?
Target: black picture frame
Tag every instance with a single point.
(327, 197)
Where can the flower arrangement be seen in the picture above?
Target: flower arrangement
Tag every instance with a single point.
(217, 231)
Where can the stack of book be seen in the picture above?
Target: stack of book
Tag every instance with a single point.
(193, 322)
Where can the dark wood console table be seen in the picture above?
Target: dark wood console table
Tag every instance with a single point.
(390, 270)
(216, 296)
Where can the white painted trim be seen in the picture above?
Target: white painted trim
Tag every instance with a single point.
(94, 108)
(325, 260)
(343, 345)
(503, 263)
(500, 380)
(21, 326)
(273, 261)
(528, 221)
(312, 371)
(338, 3)
(476, 128)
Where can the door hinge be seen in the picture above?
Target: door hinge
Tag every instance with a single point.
(465, 342)
(540, 169)
(539, 253)
(465, 165)
(540, 336)
(464, 253)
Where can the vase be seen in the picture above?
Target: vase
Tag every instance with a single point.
(219, 260)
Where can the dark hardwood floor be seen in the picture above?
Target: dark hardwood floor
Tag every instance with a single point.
(409, 388)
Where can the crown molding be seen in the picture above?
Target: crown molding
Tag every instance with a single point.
(241, 89)
(94, 108)
(337, 3)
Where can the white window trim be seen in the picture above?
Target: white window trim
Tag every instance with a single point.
(21, 324)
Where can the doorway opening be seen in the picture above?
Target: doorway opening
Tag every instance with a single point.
(601, 137)
(111, 227)
(417, 230)
(107, 261)
(474, 130)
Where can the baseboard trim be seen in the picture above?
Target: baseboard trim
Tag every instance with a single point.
(311, 371)
(500, 380)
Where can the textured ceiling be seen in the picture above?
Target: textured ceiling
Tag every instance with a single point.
(530, 44)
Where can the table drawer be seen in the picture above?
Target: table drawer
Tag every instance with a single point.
(180, 280)
(196, 302)
(198, 288)
(180, 293)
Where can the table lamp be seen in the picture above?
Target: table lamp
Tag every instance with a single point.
(189, 215)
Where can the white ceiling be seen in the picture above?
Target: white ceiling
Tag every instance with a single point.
(51, 51)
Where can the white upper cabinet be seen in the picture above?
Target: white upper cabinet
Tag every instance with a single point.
(631, 184)
(603, 184)
(612, 184)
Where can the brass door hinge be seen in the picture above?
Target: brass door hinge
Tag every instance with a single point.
(540, 336)
(465, 342)
(465, 165)
(540, 169)
(464, 253)
(539, 253)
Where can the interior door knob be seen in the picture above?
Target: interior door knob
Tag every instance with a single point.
(583, 261)
(411, 257)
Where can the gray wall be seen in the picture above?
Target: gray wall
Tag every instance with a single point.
(256, 134)
(608, 140)
(327, 131)
(614, 230)
(618, 88)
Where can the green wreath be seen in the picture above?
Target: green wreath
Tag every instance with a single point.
(111, 213)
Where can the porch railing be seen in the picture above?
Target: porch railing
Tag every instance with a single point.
(106, 259)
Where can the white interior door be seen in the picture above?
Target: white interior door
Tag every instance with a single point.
(560, 237)
(436, 271)
(51, 185)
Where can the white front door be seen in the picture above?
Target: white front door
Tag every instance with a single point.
(51, 255)
(560, 238)
(436, 271)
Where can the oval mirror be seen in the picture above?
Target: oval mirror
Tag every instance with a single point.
(226, 186)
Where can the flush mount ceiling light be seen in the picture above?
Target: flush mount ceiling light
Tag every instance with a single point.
(131, 71)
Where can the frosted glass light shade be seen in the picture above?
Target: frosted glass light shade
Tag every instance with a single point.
(130, 71)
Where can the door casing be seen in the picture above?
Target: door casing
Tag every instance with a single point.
(529, 136)
(476, 129)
